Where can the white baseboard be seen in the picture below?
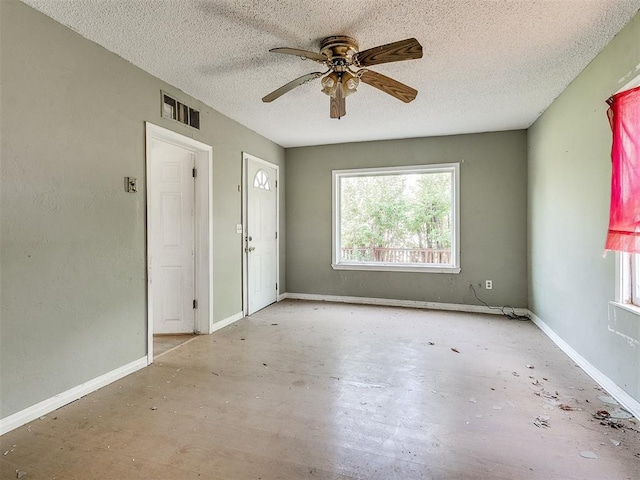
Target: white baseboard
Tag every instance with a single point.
(626, 400)
(227, 321)
(50, 404)
(390, 302)
(283, 296)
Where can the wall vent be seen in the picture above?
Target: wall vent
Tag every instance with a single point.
(173, 109)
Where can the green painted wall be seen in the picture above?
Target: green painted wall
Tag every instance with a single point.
(493, 179)
(571, 284)
(73, 276)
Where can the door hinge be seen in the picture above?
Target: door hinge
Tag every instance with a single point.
(276, 234)
(194, 172)
(276, 286)
(195, 303)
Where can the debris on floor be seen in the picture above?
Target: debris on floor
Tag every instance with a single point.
(473, 400)
(607, 399)
(20, 473)
(545, 394)
(530, 366)
(430, 343)
(620, 414)
(515, 374)
(566, 408)
(588, 454)
(542, 421)
(615, 442)
(454, 350)
(153, 408)
(550, 403)
(612, 424)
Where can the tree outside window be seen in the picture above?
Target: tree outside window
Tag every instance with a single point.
(396, 217)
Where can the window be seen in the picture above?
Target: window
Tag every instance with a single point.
(261, 180)
(630, 278)
(624, 222)
(398, 219)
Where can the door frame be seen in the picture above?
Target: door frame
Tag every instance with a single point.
(245, 185)
(203, 231)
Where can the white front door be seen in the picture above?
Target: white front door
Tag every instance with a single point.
(261, 234)
(171, 237)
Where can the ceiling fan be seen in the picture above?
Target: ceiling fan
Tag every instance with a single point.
(347, 67)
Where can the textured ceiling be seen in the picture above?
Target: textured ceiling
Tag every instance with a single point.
(488, 64)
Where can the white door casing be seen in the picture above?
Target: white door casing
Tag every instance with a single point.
(261, 233)
(179, 234)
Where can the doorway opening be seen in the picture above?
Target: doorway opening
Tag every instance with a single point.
(179, 235)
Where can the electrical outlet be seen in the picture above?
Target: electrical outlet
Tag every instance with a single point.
(488, 284)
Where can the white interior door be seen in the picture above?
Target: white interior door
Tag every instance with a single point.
(171, 237)
(261, 234)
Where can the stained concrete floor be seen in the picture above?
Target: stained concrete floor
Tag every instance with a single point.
(318, 390)
(165, 343)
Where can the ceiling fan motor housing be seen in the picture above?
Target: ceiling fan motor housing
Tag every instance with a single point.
(339, 50)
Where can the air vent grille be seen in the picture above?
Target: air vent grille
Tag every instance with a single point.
(175, 110)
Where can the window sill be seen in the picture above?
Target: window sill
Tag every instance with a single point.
(386, 267)
(627, 306)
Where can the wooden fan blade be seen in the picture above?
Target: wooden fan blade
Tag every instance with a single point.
(290, 86)
(318, 57)
(389, 85)
(337, 105)
(409, 49)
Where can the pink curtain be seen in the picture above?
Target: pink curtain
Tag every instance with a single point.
(624, 216)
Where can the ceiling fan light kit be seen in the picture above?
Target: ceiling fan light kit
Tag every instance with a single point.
(347, 67)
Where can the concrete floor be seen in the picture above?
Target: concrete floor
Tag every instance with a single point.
(165, 343)
(319, 390)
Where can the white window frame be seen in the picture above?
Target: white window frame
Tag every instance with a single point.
(635, 280)
(338, 175)
(628, 288)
